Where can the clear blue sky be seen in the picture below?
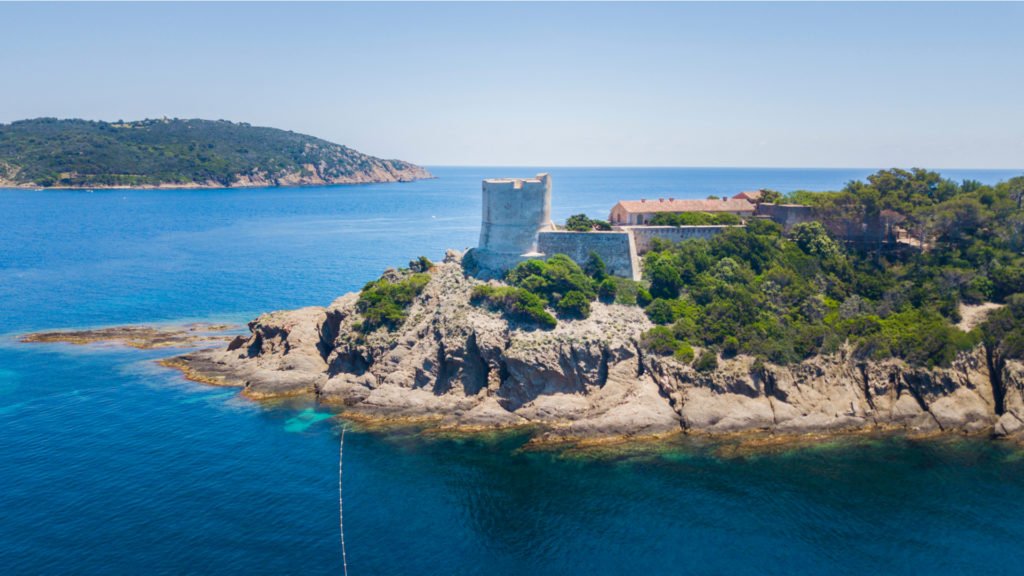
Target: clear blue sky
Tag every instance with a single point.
(750, 84)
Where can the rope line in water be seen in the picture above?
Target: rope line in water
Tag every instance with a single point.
(341, 506)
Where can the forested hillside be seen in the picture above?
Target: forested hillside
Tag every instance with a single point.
(49, 152)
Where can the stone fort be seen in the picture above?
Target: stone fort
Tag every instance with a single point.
(516, 225)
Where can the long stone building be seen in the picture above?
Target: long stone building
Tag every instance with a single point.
(640, 212)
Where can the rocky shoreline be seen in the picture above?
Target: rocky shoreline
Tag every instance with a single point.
(313, 178)
(452, 365)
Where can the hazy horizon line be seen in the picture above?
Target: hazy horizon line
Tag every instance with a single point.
(706, 167)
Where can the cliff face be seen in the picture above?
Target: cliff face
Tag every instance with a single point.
(466, 366)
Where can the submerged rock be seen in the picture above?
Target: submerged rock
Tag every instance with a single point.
(141, 337)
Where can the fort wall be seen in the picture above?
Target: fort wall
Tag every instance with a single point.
(788, 215)
(643, 235)
(616, 249)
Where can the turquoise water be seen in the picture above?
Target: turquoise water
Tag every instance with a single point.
(111, 464)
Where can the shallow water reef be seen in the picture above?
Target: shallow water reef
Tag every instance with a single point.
(141, 337)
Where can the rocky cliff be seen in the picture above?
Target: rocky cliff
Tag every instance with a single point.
(466, 366)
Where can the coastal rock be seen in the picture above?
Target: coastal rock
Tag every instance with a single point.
(462, 365)
(1011, 380)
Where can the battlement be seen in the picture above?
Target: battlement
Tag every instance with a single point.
(541, 182)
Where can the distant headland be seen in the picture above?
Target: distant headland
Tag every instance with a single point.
(178, 153)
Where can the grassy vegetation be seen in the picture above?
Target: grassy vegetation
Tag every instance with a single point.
(516, 303)
(51, 152)
(385, 302)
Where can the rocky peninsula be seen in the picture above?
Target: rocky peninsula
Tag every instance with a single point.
(462, 366)
(771, 326)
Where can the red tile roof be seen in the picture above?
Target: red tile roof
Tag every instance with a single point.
(752, 195)
(671, 205)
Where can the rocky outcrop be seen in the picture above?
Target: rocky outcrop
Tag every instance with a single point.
(465, 366)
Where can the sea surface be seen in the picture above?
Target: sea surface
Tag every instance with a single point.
(110, 464)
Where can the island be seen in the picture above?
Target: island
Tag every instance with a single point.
(895, 304)
(177, 153)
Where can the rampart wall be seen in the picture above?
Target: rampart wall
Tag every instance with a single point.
(788, 215)
(615, 248)
(642, 235)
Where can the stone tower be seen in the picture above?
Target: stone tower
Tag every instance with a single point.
(515, 210)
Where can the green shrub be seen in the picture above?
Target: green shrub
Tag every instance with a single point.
(607, 291)
(683, 353)
(659, 340)
(643, 297)
(1007, 280)
(1003, 330)
(580, 223)
(595, 267)
(574, 305)
(730, 346)
(624, 291)
(515, 303)
(665, 276)
(421, 264)
(553, 278)
(661, 311)
(707, 362)
(726, 219)
(813, 239)
(384, 302)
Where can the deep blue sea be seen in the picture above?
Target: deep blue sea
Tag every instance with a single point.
(110, 464)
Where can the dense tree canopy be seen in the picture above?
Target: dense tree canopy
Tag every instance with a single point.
(786, 296)
(52, 152)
